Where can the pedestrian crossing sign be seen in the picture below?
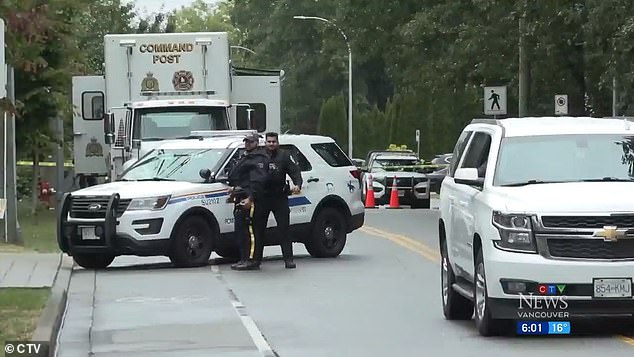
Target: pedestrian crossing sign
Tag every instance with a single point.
(495, 100)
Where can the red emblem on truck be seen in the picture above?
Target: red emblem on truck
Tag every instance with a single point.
(183, 80)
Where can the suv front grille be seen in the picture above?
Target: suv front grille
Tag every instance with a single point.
(591, 248)
(588, 222)
(80, 206)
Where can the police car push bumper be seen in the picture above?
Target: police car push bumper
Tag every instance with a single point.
(98, 234)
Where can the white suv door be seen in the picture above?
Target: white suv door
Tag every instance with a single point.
(448, 191)
(476, 156)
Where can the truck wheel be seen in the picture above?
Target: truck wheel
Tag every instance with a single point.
(82, 181)
(486, 325)
(454, 305)
(328, 236)
(191, 243)
(93, 261)
(91, 181)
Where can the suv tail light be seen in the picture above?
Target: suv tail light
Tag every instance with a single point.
(356, 173)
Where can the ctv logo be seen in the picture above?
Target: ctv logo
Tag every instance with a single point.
(549, 304)
(551, 289)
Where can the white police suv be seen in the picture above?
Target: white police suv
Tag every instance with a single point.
(172, 202)
(537, 221)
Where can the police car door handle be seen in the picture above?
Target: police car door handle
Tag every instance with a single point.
(313, 179)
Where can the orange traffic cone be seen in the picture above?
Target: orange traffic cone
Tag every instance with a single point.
(394, 195)
(369, 194)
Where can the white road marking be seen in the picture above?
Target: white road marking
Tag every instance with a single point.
(255, 333)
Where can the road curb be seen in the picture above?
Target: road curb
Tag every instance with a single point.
(51, 318)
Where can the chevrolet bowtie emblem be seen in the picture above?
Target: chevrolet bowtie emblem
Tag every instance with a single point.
(612, 233)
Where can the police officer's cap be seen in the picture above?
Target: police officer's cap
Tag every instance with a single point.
(252, 138)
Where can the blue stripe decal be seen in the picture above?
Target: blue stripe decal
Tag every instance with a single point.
(198, 196)
(298, 201)
(292, 201)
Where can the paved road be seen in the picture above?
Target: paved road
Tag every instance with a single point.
(380, 297)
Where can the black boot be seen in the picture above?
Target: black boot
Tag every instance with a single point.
(249, 265)
(289, 264)
(239, 265)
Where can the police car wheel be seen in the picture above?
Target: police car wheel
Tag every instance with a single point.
(93, 261)
(328, 236)
(192, 242)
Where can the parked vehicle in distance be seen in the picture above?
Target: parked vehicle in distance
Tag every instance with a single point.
(386, 166)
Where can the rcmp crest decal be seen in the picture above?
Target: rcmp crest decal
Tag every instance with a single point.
(149, 83)
(183, 80)
(94, 148)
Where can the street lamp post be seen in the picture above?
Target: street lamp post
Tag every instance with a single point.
(243, 48)
(349, 74)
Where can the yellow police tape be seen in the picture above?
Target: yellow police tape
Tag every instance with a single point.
(422, 166)
(43, 163)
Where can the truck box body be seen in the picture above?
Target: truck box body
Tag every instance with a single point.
(170, 63)
(164, 86)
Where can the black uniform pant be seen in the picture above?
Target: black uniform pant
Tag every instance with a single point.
(244, 225)
(278, 204)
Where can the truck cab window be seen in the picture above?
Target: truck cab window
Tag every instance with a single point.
(178, 122)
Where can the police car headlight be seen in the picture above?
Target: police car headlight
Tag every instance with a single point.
(149, 203)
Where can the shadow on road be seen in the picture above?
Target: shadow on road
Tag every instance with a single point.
(226, 261)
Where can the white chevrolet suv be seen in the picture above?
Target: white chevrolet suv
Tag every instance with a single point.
(173, 202)
(537, 221)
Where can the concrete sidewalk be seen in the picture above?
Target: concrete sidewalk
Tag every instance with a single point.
(28, 270)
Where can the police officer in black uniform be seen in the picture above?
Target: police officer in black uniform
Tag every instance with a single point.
(248, 177)
(275, 197)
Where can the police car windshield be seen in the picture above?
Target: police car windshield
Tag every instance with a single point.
(178, 122)
(174, 165)
(565, 158)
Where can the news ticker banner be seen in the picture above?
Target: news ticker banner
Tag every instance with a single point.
(30, 348)
(543, 327)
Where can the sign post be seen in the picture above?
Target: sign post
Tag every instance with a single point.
(495, 100)
(561, 104)
(418, 143)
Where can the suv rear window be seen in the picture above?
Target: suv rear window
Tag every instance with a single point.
(332, 154)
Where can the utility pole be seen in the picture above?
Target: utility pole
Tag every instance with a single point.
(614, 97)
(3, 138)
(523, 68)
(12, 226)
(60, 161)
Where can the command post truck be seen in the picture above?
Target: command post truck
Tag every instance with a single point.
(164, 86)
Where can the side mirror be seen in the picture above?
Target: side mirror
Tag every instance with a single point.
(205, 174)
(108, 128)
(468, 176)
(136, 143)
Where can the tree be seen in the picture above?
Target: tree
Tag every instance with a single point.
(333, 119)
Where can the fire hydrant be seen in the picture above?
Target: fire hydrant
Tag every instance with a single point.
(45, 193)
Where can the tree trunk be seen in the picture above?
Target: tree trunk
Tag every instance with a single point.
(36, 177)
